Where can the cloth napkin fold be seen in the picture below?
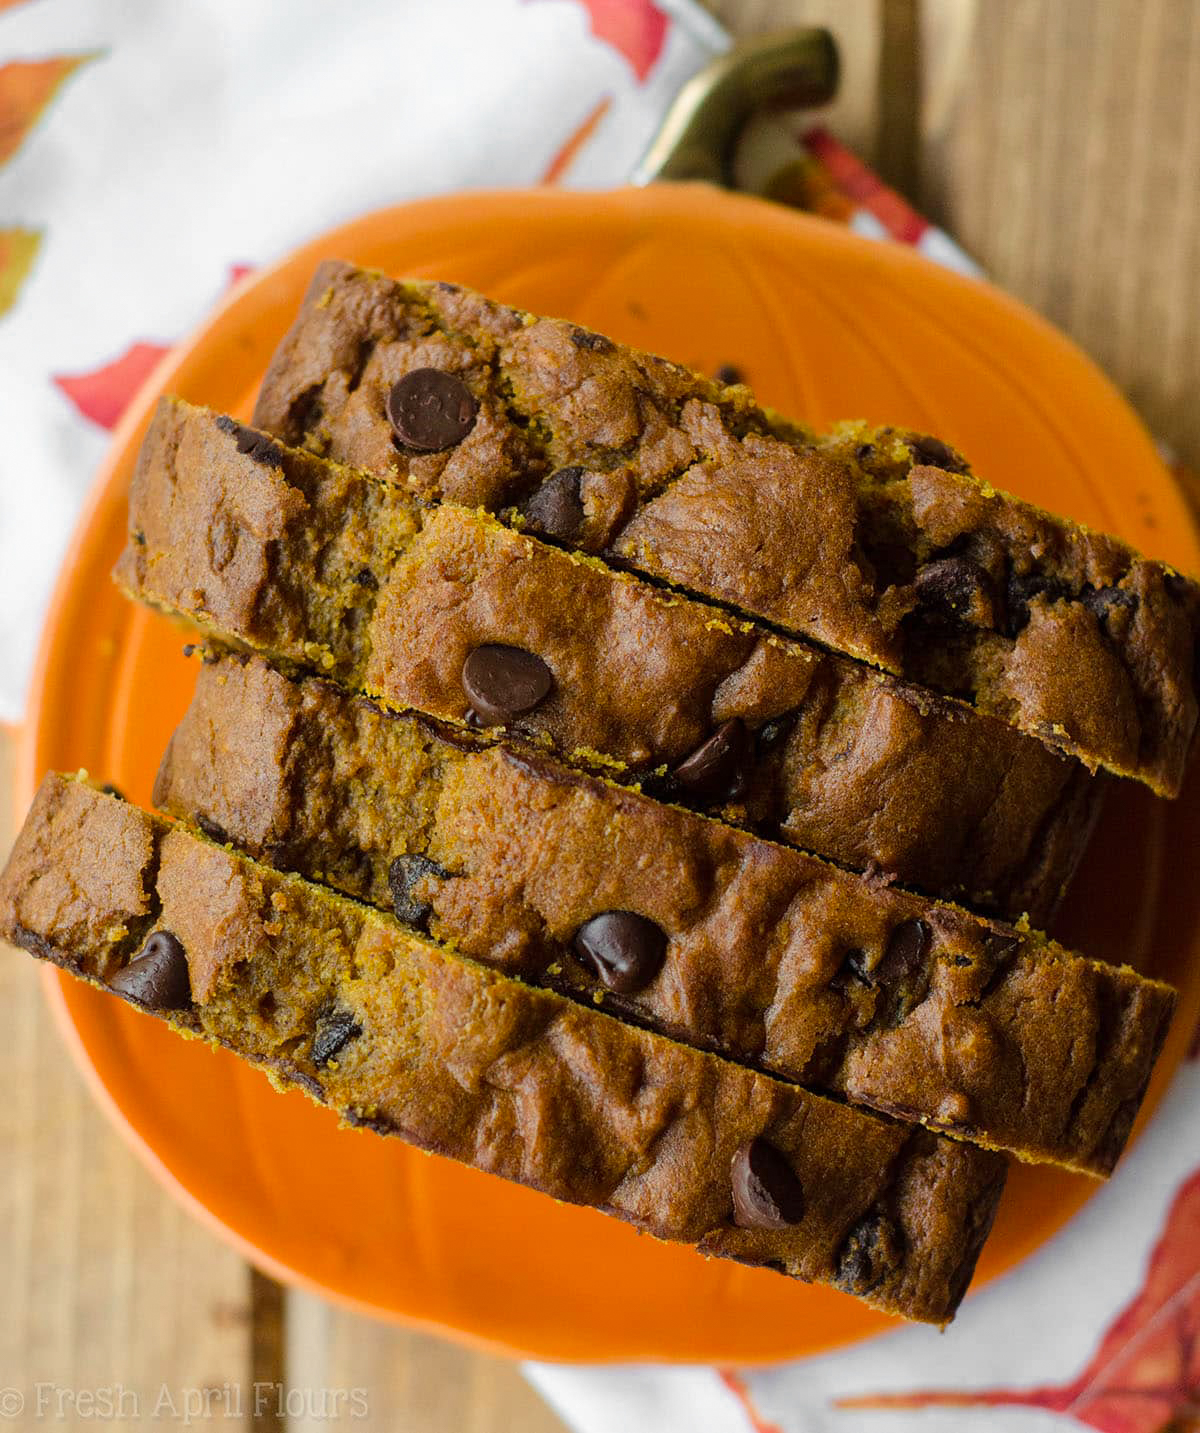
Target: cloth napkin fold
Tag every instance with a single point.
(148, 155)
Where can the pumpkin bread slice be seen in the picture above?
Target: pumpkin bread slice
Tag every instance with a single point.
(448, 612)
(876, 542)
(404, 1037)
(721, 939)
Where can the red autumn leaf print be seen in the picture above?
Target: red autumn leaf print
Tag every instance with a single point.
(565, 155)
(737, 1386)
(18, 249)
(1145, 1375)
(105, 393)
(26, 88)
(636, 29)
(863, 187)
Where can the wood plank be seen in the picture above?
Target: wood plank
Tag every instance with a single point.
(897, 138)
(109, 1285)
(268, 1326)
(406, 1380)
(1062, 145)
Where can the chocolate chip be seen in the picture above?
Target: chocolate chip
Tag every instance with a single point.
(366, 578)
(256, 446)
(906, 950)
(556, 509)
(717, 770)
(1021, 589)
(954, 585)
(335, 1030)
(110, 790)
(211, 829)
(431, 410)
(157, 977)
(853, 967)
(403, 876)
(624, 949)
(1002, 942)
(766, 1192)
(139, 539)
(863, 452)
(872, 1248)
(1001, 946)
(771, 735)
(504, 682)
(593, 342)
(1100, 601)
(364, 1119)
(729, 373)
(1178, 586)
(933, 453)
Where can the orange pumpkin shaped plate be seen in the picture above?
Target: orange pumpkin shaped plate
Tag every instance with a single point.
(824, 326)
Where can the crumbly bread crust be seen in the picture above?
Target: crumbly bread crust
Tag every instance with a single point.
(404, 1037)
(326, 567)
(773, 957)
(878, 543)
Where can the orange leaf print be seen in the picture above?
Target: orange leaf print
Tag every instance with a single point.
(1145, 1375)
(636, 29)
(26, 88)
(565, 155)
(18, 249)
(105, 393)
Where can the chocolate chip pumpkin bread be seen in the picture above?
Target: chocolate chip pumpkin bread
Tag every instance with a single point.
(722, 940)
(449, 612)
(877, 543)
(405, 1037)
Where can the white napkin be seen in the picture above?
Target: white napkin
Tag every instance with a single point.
(1015, 1352)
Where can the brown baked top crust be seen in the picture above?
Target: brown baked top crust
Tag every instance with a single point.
(405, 1037)
(772, 957)
(912, 564)
(321, 565)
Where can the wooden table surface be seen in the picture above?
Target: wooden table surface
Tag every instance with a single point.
(1059, 140)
